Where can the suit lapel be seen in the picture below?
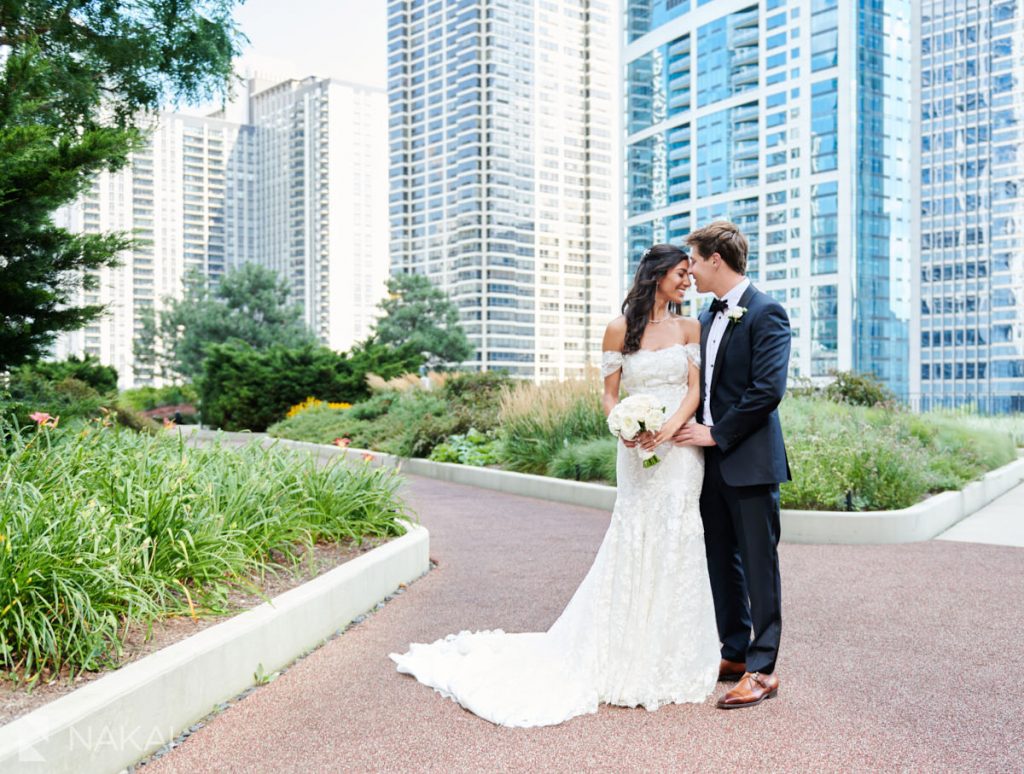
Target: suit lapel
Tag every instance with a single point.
(727, 337)
(705, 328)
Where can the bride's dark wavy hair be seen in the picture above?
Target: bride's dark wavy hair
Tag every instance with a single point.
(655, 264)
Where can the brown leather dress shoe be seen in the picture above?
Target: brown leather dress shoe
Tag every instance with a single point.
(731, 670)
(753, 688)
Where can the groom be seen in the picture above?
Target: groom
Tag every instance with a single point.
(744, 346)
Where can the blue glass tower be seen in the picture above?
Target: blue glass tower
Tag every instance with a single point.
(792, 118)
(972, 205)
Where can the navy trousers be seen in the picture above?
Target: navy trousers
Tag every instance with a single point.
(741, 536)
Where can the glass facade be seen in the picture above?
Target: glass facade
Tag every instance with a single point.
(972, 205)
(884, 263)
(740, 115)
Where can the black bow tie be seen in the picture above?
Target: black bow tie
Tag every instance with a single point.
(719, 305)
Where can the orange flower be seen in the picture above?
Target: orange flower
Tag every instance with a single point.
(367, 457)
(342, 442)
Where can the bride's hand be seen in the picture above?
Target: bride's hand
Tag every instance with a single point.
(665, 435)
(644, 439)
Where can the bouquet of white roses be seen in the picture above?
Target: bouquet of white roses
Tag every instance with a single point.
(634, 415)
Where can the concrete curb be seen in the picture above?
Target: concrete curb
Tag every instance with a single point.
(122, 717)
(922, 521)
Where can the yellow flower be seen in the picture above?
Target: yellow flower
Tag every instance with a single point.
(312, 402)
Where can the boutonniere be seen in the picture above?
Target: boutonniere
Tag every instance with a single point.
(735, 314)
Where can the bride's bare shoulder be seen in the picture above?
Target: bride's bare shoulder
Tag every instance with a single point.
(615, 335)
(691, 329)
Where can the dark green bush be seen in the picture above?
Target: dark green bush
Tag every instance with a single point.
(30, 391)
(101, 378)
(248, 389)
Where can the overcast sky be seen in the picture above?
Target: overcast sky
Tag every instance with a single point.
(344, 39)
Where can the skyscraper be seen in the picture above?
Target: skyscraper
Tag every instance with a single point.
(502, 150)
(972, 204)
(794, 119)
(296, 182)
(188, 198)
(321, 199)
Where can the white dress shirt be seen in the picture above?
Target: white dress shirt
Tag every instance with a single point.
(719, 324)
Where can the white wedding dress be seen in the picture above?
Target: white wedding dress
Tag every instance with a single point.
(640, 630)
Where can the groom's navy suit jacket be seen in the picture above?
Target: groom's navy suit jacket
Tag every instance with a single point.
(747, 385)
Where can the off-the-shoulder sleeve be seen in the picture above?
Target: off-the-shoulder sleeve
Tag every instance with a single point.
(610, 363)
(693, 352)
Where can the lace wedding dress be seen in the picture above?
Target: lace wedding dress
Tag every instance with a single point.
(640, 630)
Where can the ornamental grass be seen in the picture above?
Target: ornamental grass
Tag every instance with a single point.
(102, 528)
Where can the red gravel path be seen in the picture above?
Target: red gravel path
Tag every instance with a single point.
(903, 658)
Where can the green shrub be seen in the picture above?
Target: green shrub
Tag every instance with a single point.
(102, 528)
(586, 461)
(146, 398)
(29, 391)
(878, 458)
(472, 448)
(410, 423)
(858, 389)
(101, 378)
(248, 389)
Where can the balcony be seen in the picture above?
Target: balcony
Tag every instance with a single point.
(679, 154)
(742, 208)
(745, 168)
(745, 150)
(679, 190)
(745, 37)
(743, 75)
(680, 47)
(679, 102)
(745, 56)
(744, 113)
(745, 20)
(682, 65)
(746, 131)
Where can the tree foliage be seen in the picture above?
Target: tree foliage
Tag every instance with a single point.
(248, 389)
(421, 317)
(250, 305)
(77, 79)
(88, 370)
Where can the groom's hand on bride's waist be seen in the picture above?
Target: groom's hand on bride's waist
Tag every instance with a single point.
(694, 435)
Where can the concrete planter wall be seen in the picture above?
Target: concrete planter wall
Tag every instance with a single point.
(922, 521)
(122, 717)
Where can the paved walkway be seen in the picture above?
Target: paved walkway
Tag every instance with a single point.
(999, 523)
(893, 658)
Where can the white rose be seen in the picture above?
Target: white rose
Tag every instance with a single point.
(630, 428)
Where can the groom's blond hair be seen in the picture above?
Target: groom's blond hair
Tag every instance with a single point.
(724, 238)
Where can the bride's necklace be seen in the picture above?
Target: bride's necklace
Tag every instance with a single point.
(666, 317)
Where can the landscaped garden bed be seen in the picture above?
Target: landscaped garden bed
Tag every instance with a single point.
(843, 456)
(114, 542)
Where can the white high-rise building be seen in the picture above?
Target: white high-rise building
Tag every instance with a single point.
(187, 198)
(322, 200)
(502, 149)
(296, 182)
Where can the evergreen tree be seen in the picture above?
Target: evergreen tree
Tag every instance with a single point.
(421, 318)
(77, 80)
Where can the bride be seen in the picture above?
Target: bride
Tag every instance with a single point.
(640, 630)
